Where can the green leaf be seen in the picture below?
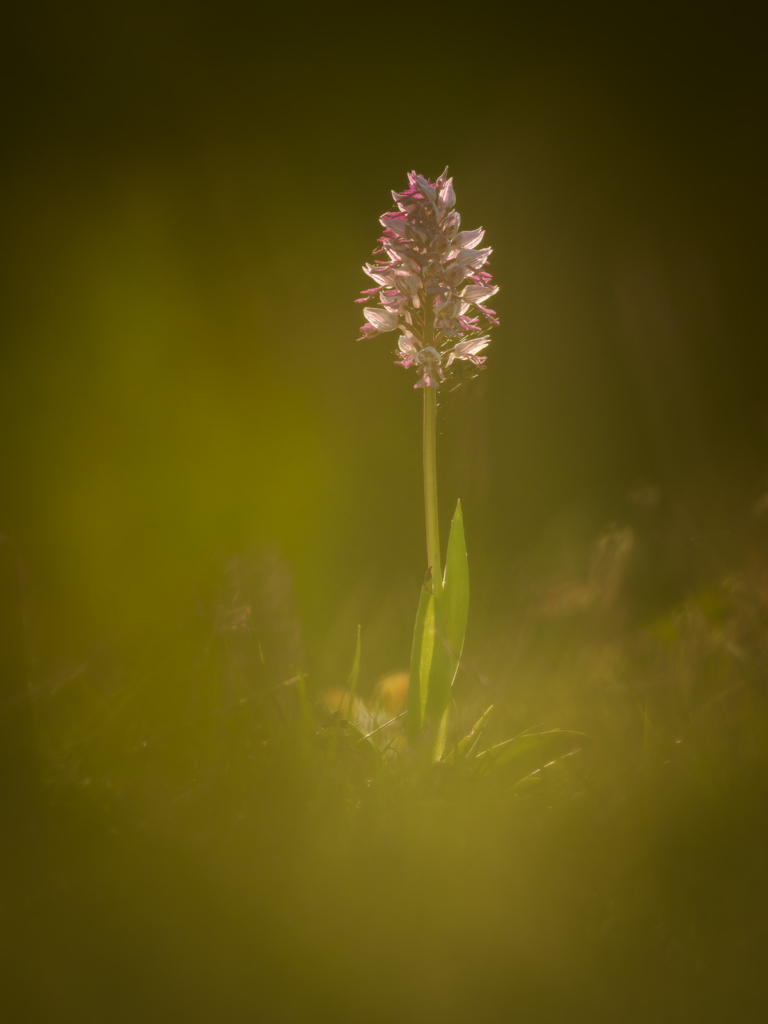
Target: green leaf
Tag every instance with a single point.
(450, 627)
(530, 751)
(465, 746)
(438, 639)
(441, 669)
(421, 657)
(456, 586)
(441, 733)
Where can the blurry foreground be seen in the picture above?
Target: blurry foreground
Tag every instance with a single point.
(196, 839)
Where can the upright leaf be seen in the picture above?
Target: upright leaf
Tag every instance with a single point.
(456, 586)
(438, 639)
(450, 627)
(421, 657)
(442, 668)
(440, 734)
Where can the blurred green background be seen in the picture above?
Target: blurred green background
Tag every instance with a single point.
(189, 192)
(210, 484)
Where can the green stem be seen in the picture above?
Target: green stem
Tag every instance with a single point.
(430, 489)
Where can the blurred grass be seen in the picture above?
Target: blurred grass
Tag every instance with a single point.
(207, 853)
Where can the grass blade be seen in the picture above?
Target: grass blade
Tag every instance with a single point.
(464, 747)
(530, 750)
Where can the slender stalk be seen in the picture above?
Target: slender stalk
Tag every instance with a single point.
(430, 489)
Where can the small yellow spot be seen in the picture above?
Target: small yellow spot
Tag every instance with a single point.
(392, 692)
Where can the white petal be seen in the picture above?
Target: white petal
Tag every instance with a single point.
(407, 282)
(379, 275)
(478, 292)
(425, 188)
(467, 349)
(381, 319)
(474, 258)
(449, 224)
(397, 224)
(469, 239)
(447, 195)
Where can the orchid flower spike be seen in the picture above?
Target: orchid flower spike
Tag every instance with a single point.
(430, 282)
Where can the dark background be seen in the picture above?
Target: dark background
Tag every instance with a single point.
(188, 193)
(196, 454)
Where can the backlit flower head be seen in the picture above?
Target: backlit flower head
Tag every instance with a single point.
(430, 282)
